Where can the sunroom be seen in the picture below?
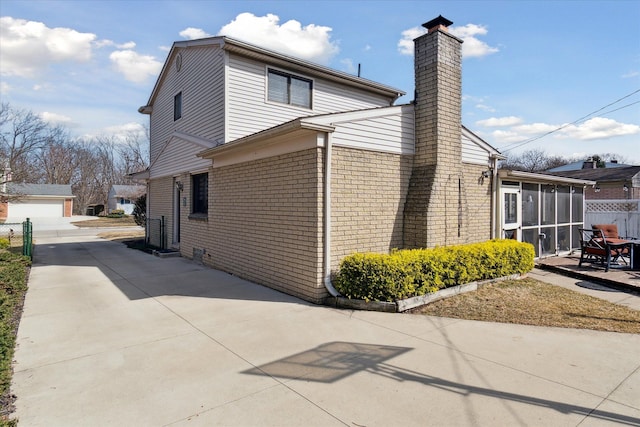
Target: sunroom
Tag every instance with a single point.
(544, 210)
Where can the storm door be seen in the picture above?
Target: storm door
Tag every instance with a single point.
(511, 221)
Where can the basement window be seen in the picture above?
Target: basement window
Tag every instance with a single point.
(289, 89)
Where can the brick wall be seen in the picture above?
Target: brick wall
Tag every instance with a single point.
(68, 207)
(608, 192)
(264, 223)
(368, 191)
(476, 215)
(160, 203)
(435, 201)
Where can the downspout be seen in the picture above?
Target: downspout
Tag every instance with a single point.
(494, 196)
(327, 217)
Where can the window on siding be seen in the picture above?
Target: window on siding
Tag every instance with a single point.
(289, 89)
(177, 106)
(200, 193)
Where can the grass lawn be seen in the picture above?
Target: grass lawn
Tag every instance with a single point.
(103, 221)
(531, 302)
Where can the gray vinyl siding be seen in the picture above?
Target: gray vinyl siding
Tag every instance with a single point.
(473, 153)
(392, 134)
(250, 112)
(201, 81)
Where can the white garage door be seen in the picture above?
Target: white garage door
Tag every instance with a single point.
(37, 209)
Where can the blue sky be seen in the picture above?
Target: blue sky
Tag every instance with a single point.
(529, 68)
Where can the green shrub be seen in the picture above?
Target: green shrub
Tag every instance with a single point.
(4, 243)
(116, 213)
(407, 273)
(13, 286)
(140, 211)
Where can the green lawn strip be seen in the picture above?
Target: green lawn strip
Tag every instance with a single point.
(125, 221)
(530, 302)
(13, 286)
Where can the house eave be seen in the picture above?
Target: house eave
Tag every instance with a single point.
(264, 137)
(541, 177)
(252, 51)
(268, 56)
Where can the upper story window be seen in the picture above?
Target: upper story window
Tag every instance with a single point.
(177, 106)
(289, 89)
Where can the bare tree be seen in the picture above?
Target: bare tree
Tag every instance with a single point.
(57, 160)
(529, 161)
(537, 160)
(22, 134)
(134, 152)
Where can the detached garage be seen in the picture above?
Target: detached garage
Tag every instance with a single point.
(36, 201)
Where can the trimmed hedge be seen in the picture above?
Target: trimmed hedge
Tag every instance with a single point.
(413, 272)
(116, 213)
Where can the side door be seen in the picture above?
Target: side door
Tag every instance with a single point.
(511, 220)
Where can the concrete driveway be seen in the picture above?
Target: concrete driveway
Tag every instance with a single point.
(113, 336)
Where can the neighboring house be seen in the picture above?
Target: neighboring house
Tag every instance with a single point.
(273, 168)
(611, 183)
(21, 201)
(123, 197)
(587, 164)
(614, 198)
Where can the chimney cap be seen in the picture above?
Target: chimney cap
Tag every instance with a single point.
(436, 23)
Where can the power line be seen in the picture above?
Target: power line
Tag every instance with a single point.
(513, 145)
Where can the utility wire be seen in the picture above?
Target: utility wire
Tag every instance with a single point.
(513, 145)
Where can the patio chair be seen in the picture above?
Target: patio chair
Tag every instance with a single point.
(608, 231)
(597, 247)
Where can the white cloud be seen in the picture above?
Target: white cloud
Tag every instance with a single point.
(348, 65)
(119, 133)
(42, 87)
(631, 74)
(505, 136)
(311, 42)
(29, 47)
(367, 48)
(124, 129)
(194, 33)
(134, 66)
(4, 88)
(472, 46)
(500, 121)
(55, 118)
(486, 108)
(598, 128)
(535, 128)
(405, 45)
(106, 42)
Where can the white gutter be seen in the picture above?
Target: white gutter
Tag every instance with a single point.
(494, 197)
(327, 217)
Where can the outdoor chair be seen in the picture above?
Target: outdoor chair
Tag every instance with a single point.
(597, 247)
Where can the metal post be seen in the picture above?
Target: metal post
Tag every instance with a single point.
(27, 238)
(163, 236)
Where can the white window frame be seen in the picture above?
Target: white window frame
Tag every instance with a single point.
(290, 77)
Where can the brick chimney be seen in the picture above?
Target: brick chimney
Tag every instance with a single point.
(435, 204)
(590, 163)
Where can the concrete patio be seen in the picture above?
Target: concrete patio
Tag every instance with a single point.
(618, 276)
